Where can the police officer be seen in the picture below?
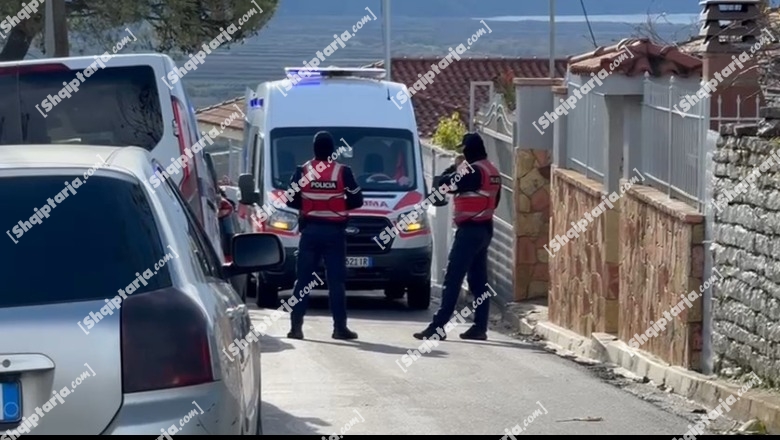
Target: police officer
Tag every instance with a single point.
(476, 197)
(323, 204)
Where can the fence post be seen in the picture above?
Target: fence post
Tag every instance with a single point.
(669, 139)
(560, 151)
(587, 135)
(615, 112)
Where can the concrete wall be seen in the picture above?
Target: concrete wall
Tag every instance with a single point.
(534, 96)
(662, 257)
(746, 312)
(532, 201)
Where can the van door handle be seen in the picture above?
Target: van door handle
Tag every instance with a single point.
(231, 312)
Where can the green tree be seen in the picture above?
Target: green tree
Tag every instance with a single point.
(165, 25)
(449, 132)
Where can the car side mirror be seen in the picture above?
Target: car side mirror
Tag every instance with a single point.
(435, 200)
(254, 253)
(246, 184)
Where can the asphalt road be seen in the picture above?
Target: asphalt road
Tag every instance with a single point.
(321, 386)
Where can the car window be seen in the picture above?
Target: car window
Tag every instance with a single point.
(199, 244)
(118, 106)
(91, 244)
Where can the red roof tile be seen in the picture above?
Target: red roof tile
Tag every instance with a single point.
(450, 89)
(448, 93)
(219, 113)
(648, 57)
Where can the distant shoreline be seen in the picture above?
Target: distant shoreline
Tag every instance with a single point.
(681, 19)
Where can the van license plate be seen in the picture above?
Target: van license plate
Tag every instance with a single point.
(358, 262)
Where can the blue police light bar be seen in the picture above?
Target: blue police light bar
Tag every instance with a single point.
(335, 72)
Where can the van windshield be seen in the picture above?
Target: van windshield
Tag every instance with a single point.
(381, 159)
(115, 106)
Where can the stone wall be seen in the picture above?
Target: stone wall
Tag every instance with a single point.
(532, 223)
(662, 256)
(584, 275)
(746, 234)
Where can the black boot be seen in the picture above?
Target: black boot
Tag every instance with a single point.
(474, 334)
(344, 333)
(429, 332)
(296, 330)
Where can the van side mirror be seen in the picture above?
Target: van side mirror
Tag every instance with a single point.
(246, 184)
(435, 200)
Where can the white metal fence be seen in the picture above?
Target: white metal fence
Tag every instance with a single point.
(586, 137)
(434, 162)
(500, 254)
(674, 136)
(676, 120)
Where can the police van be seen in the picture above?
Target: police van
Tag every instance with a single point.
(375, 137)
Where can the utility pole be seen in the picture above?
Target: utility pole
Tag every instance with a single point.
(552, 39)
(56, 29)
(386, 17)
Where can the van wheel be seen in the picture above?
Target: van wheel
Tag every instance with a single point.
(245, 288)
(419, 295)
(394, 292)
(251, 286)
(267, 296)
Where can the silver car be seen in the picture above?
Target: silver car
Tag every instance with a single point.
(115, 312)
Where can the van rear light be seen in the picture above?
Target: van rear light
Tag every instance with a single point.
(225, 208)
(34, 68)
(189, 184)
(164, 342)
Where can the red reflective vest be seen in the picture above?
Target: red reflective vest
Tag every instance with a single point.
(323, 197)
(479, 205)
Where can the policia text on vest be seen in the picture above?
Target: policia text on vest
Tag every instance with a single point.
(268, 209)
(421, 208)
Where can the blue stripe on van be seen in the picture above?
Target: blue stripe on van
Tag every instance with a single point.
(10, 402)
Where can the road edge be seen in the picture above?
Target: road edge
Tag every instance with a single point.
(760, 404)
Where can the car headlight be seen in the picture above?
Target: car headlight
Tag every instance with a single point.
(412, 223)
(283, 220)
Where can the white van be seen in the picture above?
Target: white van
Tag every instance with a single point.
(125, 102)
(355, 106)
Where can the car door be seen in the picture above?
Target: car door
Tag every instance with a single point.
(233, 311)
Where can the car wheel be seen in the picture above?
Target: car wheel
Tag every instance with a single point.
(267, 296)
(418, 296)
(394, 292)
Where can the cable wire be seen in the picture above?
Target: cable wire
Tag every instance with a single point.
(587, 20)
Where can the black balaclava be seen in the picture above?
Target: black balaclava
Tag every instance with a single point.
(473, 148)
(323, 145)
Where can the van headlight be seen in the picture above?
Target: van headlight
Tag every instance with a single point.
(283, 220)
(419, 223)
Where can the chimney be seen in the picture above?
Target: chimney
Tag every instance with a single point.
(729, 29)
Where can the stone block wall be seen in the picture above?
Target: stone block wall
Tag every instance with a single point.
(662, 257)
(532, 223)
(584, 272)
(746, 235)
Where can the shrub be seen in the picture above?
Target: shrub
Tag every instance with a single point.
(449, 132)
(505, 86)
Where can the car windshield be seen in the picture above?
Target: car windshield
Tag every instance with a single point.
(92, 243)
(381, 159)
(116, 106)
